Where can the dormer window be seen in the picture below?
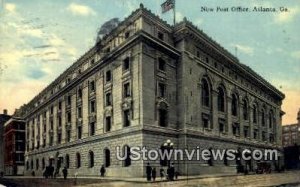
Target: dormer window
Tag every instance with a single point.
(160, 35)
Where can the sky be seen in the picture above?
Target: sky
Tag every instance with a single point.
(40, 39)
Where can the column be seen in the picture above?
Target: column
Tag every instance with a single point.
(240, 116)
(229, 115)
(251, 121)
(215, 124)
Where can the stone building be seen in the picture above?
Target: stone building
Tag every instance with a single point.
(14, 146)
(143, 84)
(291, 133)
(3, 118)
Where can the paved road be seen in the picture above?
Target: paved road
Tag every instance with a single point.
(276, 179)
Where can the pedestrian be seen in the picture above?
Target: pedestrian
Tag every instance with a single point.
(153, 173)
(172, 172)
(1, 174)
(148, 171)
(168, 173)
(176, 175)
(102, 171)
(65, 172)
(162, 173)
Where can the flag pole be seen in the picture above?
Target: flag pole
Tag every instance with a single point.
(174, 13)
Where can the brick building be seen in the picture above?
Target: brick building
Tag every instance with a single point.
(14, 146)
(144, 83)
(3, 118)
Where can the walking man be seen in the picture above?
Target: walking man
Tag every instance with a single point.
(65, 172)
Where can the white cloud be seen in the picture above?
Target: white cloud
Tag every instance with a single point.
(82, 10)
(244, 49)
(285, 17)
(296, 54)
(10, 7)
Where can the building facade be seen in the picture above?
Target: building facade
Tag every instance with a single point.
(3, 118)
(143, 84)
(291, 133)
(14, 146)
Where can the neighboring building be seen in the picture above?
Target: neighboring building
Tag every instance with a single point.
(14, 146)
(291, 133)
(143, 84)
(3, 118)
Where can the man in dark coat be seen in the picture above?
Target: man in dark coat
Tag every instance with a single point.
(65, 172)
(153, 173)
(102, 171)
(171, 172)
(148, 171)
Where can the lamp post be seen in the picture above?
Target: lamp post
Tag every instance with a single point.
(168, 145)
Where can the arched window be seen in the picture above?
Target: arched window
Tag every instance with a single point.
(205, 93)
(91, 158)
(67, 161)
(234, 105)
(43, 163)
(245, 109)
(78, 160)
(263, 117)
(126, 151)
(37, 164)
(106, 157)
(221, 99)
(254, 114)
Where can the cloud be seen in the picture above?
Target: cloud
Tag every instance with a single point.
(82, 10)
(296, 54)
(10, 7)
(285, 17)
(244, 49)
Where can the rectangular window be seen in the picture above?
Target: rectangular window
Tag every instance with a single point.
(79, 110)
(59, 138)
(161, 90)
(69, 117)
(59, 105)
(205, 121)
(235, 129)
(160, 35)
(79, 132)
(161, 64)
(59, 121)
(162, 114)
(246, 131)
(126, 118)
(126, 90)
(93, 106)
(69, 135)
(92, 86)
(69, 100)
(221, 127)
(108, 99)
(108, 76)
(51, 110)
(127, 34)
(79, 92)
(255, 134)
(126, 64)
(92, 128)
(51, 140)
(108, 123)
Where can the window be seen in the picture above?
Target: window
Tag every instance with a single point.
(108, 99)
(246, 131)
(67, 161)
(79, 92)
(126, 90)
(127, 34)
(31, 164)
(205, 93)
(79, 132)
(234, 105)
(127, 161)
(59, 105)
(59, 121)
(255, 134)
(245, 109)
(59, 138)
(93, 106)
(44, 142)
(106, 157)
(91, 158)
(108, 76)
(92, 61)
(68, 135)
(161, 90)
(264, 136)
(37, 164)
(51, 140)
(235, 129)
(160, 35)
(271, 119)
(78, 160)
(108, 123)
(254, 114)
(79, 110)
(126, 63)
(126, 118)
(221, 100)
(51, 110)
(205, 121)
(263, 120)
(92, 128)
(69, 117)
(161, 64)
(69, 100)
(221, 126)
(207, 60)
(43, 163)
(163, 115)
(92, 86)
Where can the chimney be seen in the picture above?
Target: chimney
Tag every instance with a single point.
(5, 111)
